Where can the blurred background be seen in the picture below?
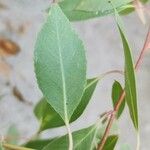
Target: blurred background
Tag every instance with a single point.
(20, 20)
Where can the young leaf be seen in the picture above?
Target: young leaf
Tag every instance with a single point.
(116, 93)
(110, 142)
(130, 85)
(60, 63)
(83, 139)
(49, 118)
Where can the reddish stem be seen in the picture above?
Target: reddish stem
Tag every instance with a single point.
(113, 115)
(145, 47)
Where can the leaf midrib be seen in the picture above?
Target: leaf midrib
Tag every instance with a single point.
(62, 72)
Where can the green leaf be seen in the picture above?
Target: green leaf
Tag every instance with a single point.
(78, 15)
(130, 84)
(131, 9)
(13, 135)
(14, 147)
(88, 92)
(79, 136)
(110, 142)
(37, 144)
(75, 9)
(87, 138)
(60, 63)
(83, 139)
(1, 143)
(69, 4)
(48, 116)
(116, 93)
(100, 5)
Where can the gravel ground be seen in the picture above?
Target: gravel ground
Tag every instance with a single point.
(104, 52)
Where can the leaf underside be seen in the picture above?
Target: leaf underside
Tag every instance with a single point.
(60, 63)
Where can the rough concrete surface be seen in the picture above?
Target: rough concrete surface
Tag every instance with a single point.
(104, 53)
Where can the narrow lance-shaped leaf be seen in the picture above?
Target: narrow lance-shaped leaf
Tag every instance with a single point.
(88, 92)
(116, 93)
(110, 142)
(130, 84)
(49, 118)
(60, 63)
